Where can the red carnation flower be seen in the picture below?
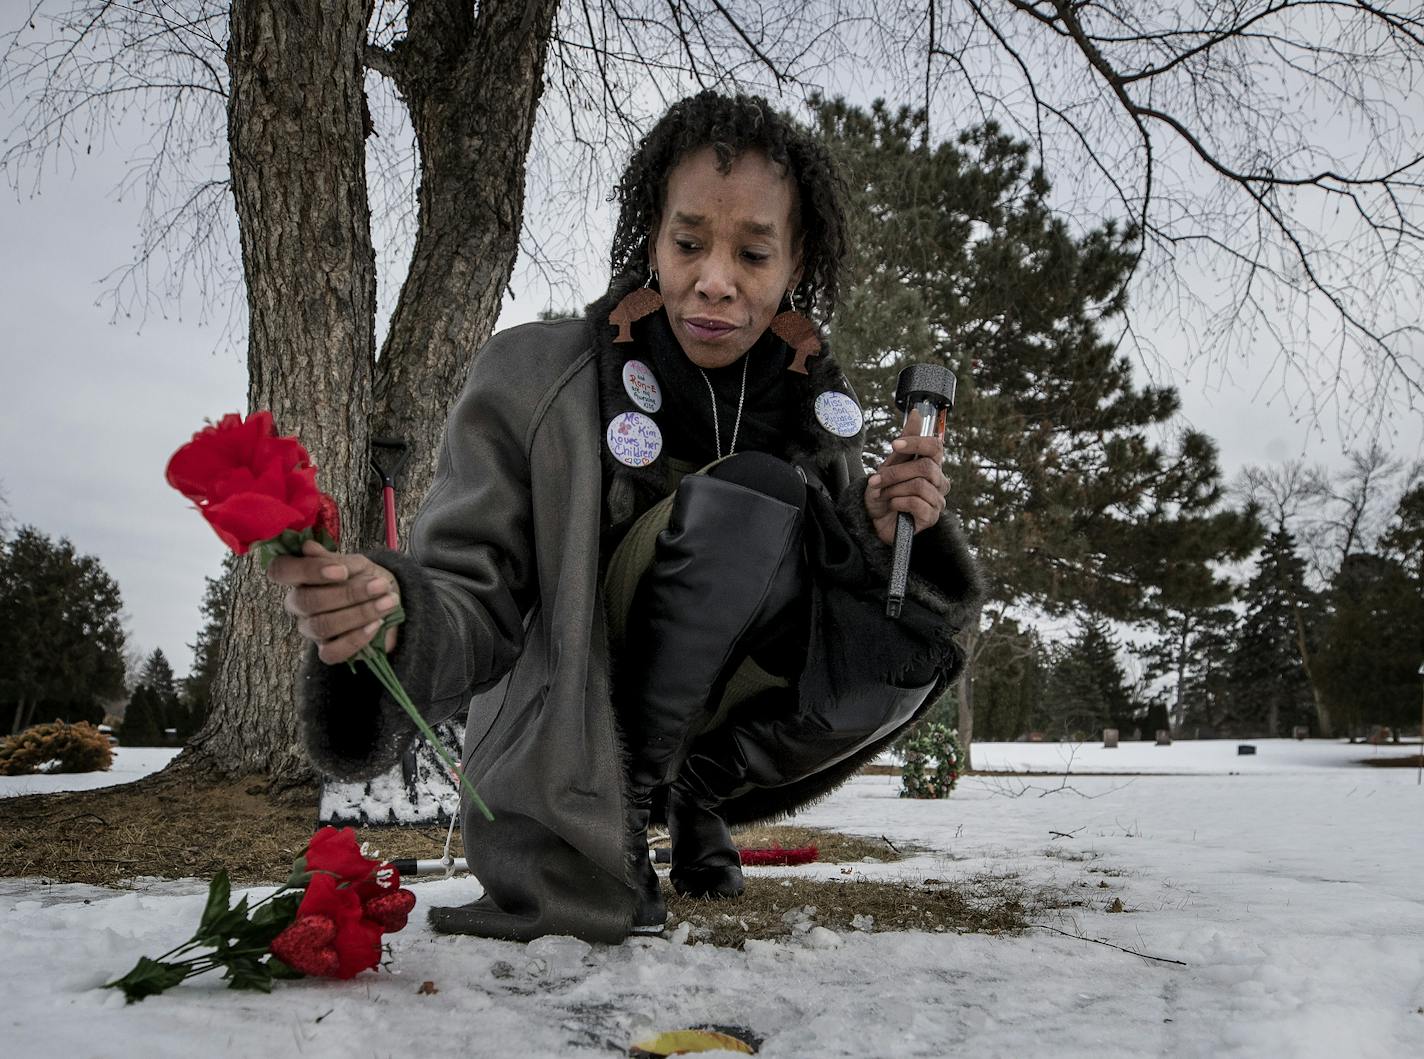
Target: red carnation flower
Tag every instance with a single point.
(250, 484)
(328, 522)
(306, 946)
(336, 852)
(390, 911)
(355, 940)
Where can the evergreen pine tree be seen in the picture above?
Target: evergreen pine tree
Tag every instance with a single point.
(143, 719)
(1371, 645)
(1087, 688)
(1188, 653)
(214, 610)
(957, 258)
(1009, 682)
(157, 676)
(1404, 539)
(1268, 690)
(1201, 697)
(62, 638)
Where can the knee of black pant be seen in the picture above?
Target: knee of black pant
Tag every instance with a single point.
(766, 474)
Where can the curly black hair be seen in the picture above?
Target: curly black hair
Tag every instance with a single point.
(732, 125)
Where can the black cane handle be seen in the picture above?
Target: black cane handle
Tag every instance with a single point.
(928, 391)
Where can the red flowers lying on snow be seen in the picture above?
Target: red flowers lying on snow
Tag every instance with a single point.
(326, 919)
(349, 903)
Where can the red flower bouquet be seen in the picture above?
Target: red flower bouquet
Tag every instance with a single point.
(258, 491)
(326, 920)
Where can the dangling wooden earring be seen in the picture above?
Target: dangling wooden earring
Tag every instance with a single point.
(797, 332)
(635, 305)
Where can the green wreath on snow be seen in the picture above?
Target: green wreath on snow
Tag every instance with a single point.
(932, 757)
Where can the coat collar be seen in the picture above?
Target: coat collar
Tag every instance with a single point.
(629, 491)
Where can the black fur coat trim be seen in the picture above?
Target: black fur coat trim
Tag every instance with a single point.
(351, 726)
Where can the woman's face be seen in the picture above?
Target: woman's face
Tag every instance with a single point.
(726, 251)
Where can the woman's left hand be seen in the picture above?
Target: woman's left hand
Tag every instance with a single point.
(911, 479)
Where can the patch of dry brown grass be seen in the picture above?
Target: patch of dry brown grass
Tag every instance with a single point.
(181, 824)
(830, 845)
(783, 907)
(176, 824)
(1410, 762)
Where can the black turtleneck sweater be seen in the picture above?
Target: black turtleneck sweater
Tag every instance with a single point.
(769, 411)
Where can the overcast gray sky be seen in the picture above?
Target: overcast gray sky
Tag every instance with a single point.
(91, 410)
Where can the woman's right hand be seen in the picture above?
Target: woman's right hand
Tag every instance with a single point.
(339, 600)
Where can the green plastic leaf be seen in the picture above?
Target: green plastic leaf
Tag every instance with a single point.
(231, 924)
(219, 894)
(281, 971)
(271, 919)
(148, 978)
(248, 972)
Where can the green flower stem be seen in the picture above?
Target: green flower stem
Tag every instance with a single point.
(193, 943)
(374, 655)
(196, 965)
(380, 665)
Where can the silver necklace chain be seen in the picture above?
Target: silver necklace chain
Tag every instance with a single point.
(741, 400)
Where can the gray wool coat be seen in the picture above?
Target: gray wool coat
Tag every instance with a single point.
(505, 621)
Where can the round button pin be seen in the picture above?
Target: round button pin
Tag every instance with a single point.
(634, 439)
(642, 386)
(838, 413)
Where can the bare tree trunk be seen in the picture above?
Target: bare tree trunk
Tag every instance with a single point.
(296, 132)
(22, 713)
(1322, 708)
(970, 640)
(297, 126)
(1179, 704)
(473, 87)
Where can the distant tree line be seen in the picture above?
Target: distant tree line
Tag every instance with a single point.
(1292, 599)
(64, 644)
(1311, 635)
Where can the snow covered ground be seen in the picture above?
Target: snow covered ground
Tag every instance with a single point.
(1184, 757)
(1290, 886)
(130, 763)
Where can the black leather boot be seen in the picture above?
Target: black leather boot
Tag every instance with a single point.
(650, 912)
(752, 752)
(729, 561)
(705, 861)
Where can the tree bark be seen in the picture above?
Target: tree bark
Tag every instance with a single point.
(297, 123)
(296, 136)
(1325, 728)
(473, 88)
(1179, 704)
(966, 699)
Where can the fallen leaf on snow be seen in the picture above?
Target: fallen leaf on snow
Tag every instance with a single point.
(685, 1042)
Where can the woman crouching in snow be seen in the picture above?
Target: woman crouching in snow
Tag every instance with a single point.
(651, 569)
